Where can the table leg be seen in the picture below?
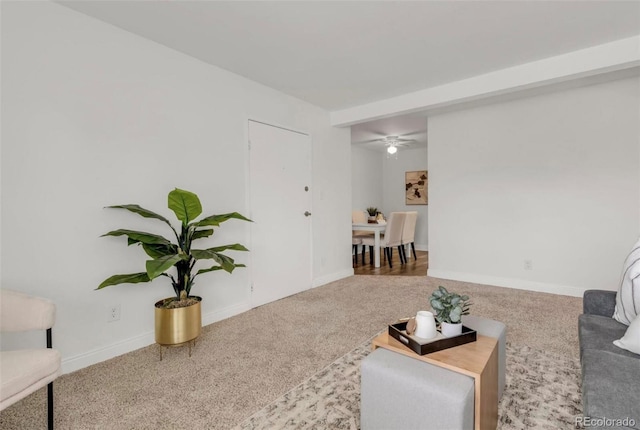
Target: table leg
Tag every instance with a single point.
(376, 248)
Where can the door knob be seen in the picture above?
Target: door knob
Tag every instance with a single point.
(307, 213)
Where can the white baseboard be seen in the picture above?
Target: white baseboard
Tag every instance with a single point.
(421, 247)
(98, 355)
(519, 284)
(225, 313)
(323, 280)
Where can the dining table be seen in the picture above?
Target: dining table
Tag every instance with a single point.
(376, 229)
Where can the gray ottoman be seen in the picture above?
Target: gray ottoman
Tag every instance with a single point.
(495, 329)
(399, 392)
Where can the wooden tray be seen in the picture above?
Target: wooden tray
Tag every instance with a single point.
(395, 330)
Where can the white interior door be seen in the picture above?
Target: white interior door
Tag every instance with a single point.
(280, 193)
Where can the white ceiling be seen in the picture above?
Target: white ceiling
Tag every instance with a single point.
(340, 54)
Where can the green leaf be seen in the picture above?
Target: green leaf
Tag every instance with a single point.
(443, 290)
(227, 263)
(213, 268)
(210, 269)
(139, 236)
(157, 251)
(157, 267)
(185, 204)
(200, 234)
(201, 254)
(455, 314)
(233, 247)
(435, 304)
(215, 220)
(141, 211)
(132, 278)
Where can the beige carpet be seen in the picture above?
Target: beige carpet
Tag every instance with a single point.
(542, 391)
(246, 362)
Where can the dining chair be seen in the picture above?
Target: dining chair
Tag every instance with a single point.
(360, 217)
(26, 370)
(392, 237)
(355, 241)
(409, 232)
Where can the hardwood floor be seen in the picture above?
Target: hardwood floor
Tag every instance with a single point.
(412, 268)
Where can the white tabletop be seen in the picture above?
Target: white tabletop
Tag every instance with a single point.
(367, 226)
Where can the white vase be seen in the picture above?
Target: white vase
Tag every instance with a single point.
(451, 330)
(426, 325)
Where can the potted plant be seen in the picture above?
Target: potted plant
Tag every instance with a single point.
(177, 319)
(372, 213)
(449, 308)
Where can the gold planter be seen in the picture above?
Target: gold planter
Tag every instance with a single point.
(179, 325)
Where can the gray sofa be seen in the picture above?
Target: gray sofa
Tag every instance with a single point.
(610, 375)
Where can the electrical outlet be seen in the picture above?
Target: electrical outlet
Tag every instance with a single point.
(528, 264)
(113, 313)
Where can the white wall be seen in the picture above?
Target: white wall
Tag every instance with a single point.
(394, 189)
(551, 178)
(94, 116)
(366, 179)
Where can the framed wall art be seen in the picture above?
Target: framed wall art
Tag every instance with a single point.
(416, 187)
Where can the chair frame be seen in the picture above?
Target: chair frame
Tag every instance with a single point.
(44, 309)
(50, 385)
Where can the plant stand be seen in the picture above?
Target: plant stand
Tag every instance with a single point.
(191, 343)
(178, 326)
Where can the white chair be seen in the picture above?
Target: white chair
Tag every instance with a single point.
(354, 249)
(24, 371)
(409, 232)
(392, 237)
(359, 217)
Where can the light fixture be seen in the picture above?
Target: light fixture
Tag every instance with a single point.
(392, 145)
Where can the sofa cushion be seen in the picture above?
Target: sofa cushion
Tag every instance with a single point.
(21, 312)
(23, 372)
(599, 302)
(598, 332)
(631, 339)
(400, 392)
(628, 297)
(610, 386)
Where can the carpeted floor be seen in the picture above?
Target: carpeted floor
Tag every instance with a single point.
(542, 391)
(244, 363)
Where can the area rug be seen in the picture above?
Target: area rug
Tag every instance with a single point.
(542, 391)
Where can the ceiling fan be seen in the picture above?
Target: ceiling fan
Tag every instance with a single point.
(393, 142)
(391, 134)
